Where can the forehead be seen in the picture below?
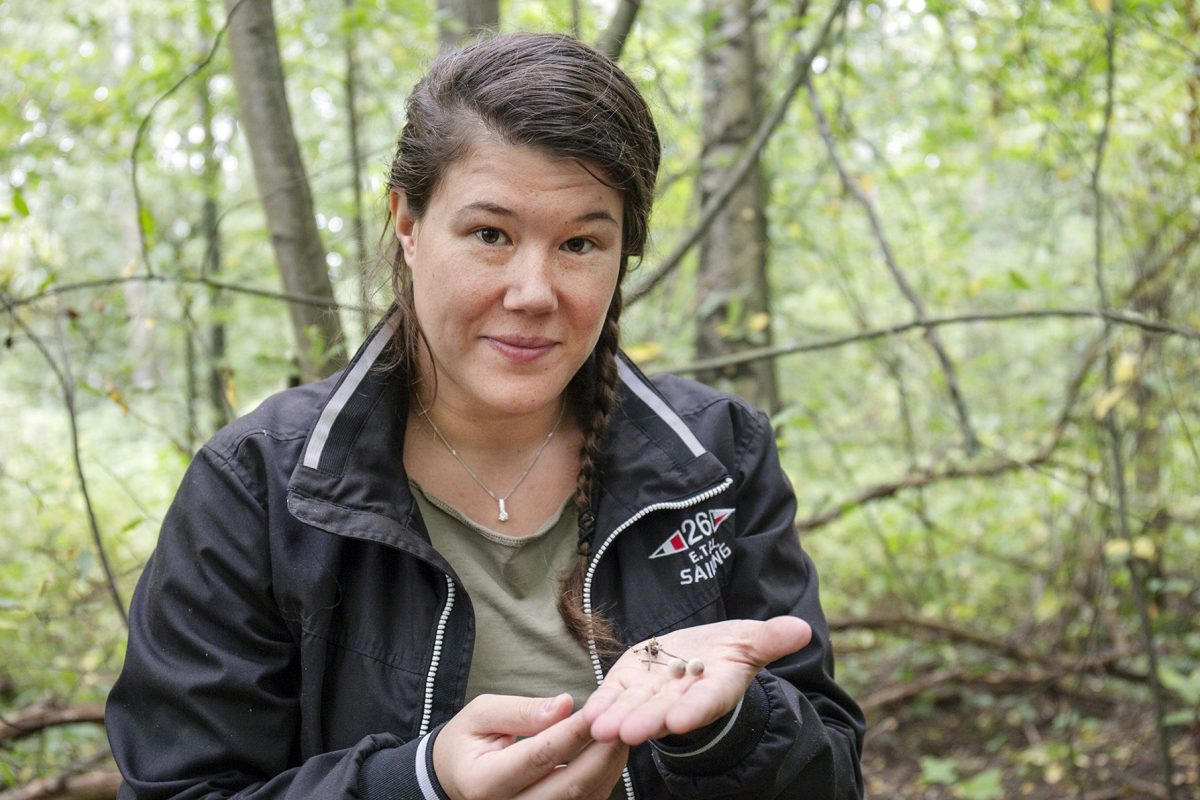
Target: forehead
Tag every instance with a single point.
(492, 170)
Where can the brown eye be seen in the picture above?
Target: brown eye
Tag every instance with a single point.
(490, 236)
(578, 245)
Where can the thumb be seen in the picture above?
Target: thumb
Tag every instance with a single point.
(778, 637)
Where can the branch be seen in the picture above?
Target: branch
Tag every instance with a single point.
(144, 125)
(98, 785)
(801, 71)
(1110, 419)
(882, 491)
(67, 383)
(612, 41)
(970, 440)
(102, 283)
(40, 716)
(774, 351)
(968, 676)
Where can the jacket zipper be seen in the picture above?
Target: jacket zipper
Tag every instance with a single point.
(427, 710)
(591, 570)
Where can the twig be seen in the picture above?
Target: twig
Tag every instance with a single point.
(774, 351)
(970, 440)
(102, 283)
(66, 381)
(1110, 420)
(144, 125)
(733, 178)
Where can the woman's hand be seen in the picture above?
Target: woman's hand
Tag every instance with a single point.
(639, 701)
(501, 747)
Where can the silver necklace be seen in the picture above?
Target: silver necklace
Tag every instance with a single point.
(500, 501)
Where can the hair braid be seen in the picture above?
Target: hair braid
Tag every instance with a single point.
(595, 424)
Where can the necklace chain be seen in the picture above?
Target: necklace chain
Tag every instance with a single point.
(501, 502)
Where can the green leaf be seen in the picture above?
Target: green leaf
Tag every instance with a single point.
(986, 785)
(18, 201)
(939, 770)
(1018, 280)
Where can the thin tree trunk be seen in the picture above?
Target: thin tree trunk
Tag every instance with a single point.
(612, 41)
(461, 20)
(210, 267)
(283, 184)
(733, 293)
(358, 225)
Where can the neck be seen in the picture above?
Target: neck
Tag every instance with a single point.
(486, 436)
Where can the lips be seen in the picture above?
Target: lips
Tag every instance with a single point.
(521, 349)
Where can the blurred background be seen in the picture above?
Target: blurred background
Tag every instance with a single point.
(952, 247)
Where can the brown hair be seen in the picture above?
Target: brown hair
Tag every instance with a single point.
(555, 94)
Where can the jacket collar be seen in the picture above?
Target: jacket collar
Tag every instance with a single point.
(351, 478)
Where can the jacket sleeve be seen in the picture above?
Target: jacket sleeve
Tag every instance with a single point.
(206, 705)
(796, 733)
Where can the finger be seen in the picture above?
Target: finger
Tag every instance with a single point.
(776, 638)
(593, 773)
(607, 726)
(648, 720)
(528, 760)
(705, 701)
(602, 698)
(492, 714)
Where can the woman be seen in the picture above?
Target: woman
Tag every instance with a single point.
(357, 590)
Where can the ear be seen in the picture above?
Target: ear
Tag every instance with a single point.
(405, 222)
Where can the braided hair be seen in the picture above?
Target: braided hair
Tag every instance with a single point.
(552, 93)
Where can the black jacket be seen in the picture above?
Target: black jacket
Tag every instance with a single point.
(295, 635)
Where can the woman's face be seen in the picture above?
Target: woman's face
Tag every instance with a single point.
(514, 264)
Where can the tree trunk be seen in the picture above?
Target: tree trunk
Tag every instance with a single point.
(612, 41)
(283, 185)
(461, 20)
(733, 294)
(219, 373)
(358, 225)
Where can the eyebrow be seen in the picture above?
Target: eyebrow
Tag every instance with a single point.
(599, 215)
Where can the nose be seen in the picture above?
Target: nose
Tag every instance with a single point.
(531, 287)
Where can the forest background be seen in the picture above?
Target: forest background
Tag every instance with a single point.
(952, 246)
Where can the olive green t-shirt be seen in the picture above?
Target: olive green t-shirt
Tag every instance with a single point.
(522, 646)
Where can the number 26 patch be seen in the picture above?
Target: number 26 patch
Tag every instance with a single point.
(694, 537)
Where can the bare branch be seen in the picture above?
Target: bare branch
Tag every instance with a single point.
(144, 125)
(97, 785)
(103, 283)
(40, 716)
(833, 342)
(970, 440)
(802, 67)
(1110, 419)
(67, 383)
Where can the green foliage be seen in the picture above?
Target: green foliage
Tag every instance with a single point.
(973, 129)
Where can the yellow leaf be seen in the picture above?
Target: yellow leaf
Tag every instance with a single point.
(724, 330)
(1126, 368)
(758, 322)
(115, 395)
(867, 182)
(975, 286)
(1116, 548)
(1102, 6)
(644, 352)
(1106, 401)
(231, 391)
(1144, 548)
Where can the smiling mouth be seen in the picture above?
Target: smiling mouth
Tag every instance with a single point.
(521, 349)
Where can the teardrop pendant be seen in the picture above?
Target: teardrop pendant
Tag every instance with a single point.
(503, 517)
